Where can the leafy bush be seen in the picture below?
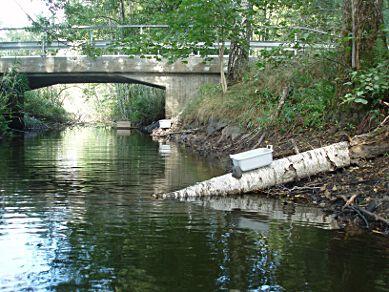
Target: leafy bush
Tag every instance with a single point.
(3, 109)
(45, 105)
(12, 86)
(138, 103)
(369, 86)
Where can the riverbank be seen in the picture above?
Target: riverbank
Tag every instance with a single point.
(366, 184)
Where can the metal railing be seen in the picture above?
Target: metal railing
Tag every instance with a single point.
(43, 45)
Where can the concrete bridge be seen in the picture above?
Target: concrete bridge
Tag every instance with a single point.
(180, 80)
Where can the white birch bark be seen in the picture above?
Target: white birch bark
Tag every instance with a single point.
(280, 171)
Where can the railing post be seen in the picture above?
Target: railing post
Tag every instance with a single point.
(44, 42)
(296, 39)
(91, 39)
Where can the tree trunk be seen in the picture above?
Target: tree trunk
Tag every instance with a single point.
(238, 58)
(122, 12)
(363, 22)
(223, 80)
(291, 168)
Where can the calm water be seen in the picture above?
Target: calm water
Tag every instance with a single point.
(76, 214)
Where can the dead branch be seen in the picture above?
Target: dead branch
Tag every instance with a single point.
(350, 201)
(372, 215)
(296, 149)
(281, 103)
(260, 140)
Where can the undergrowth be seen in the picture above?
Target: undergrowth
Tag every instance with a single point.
(12, 86)
(3, 109)
(138, 103)
(314, 98)
(46, 105)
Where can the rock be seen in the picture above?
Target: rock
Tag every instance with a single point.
(214, 126)
(149, 129)
(231, 132)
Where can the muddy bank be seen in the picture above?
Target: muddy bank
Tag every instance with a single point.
(357, 197)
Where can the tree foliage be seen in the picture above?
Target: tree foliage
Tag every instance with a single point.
(204, 27)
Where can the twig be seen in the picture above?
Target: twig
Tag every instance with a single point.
(350, 201)
(284, 95)
(297, 188)
(260, 140)
(360, 215)
(185, 131)
(384, 121)
(296, 149)
(374, 216)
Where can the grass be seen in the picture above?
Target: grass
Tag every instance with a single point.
(253, 103)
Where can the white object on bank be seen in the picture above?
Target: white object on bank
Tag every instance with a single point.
(165, 124)
(253, 159)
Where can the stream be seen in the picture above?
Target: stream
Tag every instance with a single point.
(76, 213)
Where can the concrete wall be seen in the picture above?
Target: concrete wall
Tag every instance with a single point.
(180, 88)
(181, 80)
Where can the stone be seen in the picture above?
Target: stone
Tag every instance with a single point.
(231, 132)
(214, 126)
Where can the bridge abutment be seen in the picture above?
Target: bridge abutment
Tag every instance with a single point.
(180, 90)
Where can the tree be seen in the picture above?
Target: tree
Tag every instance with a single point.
(238, 58)
(363, 30)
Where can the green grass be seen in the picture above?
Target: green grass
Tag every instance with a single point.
(254, 102)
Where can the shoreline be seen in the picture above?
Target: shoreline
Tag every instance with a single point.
(366, 184)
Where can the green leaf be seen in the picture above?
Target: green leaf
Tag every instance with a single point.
(361, 100)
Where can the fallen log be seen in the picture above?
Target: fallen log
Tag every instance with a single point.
(291, 168)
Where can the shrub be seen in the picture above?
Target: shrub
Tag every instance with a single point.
(3, 109)
(46, 105)
(12, 86)
(138, 103)
(369, 86)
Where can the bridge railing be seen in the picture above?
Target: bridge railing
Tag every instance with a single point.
(42, 43)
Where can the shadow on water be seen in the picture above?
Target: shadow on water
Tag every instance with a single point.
(76, 213)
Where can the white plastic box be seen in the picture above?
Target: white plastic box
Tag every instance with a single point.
(253, 159)
(125, 125)
(165, 124)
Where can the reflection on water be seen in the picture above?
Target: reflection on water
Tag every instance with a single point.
(269, 208)
(165, 149)
(76, 213)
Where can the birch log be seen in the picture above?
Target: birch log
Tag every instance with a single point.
(279, 172)
(292, 168)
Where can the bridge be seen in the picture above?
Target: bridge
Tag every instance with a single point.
(180, 80)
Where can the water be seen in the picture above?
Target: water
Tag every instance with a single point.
(76, 213)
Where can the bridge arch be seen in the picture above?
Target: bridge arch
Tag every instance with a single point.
(39, 80)
(180, 80)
